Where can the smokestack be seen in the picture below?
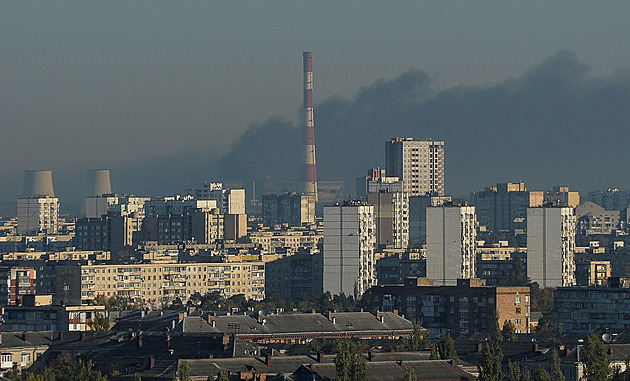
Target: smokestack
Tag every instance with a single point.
(38, 184)
(100, 181)
(310, 168)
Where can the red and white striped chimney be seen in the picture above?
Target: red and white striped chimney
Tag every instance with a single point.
(310, 169)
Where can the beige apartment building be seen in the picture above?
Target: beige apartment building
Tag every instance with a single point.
(155, 284)
(291, 239)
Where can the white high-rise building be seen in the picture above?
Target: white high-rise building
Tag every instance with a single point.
(551, 246)
(229, 201)
(418, 163)
(38, 214)
(391, 213)
(348, 253)
(451, 243)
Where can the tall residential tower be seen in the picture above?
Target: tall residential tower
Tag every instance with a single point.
(419, 163)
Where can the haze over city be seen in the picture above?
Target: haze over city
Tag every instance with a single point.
(171, 94)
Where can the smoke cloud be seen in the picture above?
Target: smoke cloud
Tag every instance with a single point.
(555, 124)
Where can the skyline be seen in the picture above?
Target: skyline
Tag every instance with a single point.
(160, 93)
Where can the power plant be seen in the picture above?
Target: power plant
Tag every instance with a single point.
(38, 184)
(100, 182)
(309, 170)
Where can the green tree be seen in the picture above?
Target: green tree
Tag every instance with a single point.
(556, 371)
(540, 374)
(490, 363)
(222, 376)
(100, 321)
(518, 274)
(496, 334)
(434, 353)
(446, 347)
(410, 374)
(509, 331)
(418, 340)
(515, 372)
(595, 359)
(541, 299)
(210, 378)
(184, 371)
(350, 364)
(137, 377)
(545, 324)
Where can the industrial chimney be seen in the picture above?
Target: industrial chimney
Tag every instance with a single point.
(38, 184)
(100, 181)
(309, 170)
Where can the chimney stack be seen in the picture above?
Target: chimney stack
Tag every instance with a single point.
(309, 171)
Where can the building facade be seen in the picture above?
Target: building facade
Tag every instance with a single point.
(292, 209)
(418, 217)
(15, 282)
(419, 163)
(551, 246)
(467, 307)
(391, 213)
(451, 242)
(349, 237)
(156, 284)
(503, 208)
(38, 214)
(586, 309)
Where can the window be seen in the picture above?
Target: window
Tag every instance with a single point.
(517, 300)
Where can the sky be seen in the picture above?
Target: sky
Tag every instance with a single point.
(162, 91)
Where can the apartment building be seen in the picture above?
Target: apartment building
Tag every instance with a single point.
(391, 213)
(418, 163)
(551, 246)
(348, 257)
(292, 209)
(462, 309)
(156, 284)
(451, 243)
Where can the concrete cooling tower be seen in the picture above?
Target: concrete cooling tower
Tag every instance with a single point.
(100, 182)
(38, 183)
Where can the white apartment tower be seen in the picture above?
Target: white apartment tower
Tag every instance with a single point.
(418, 163)
(348, 252)
(38, 214)
(38, 208)
(391, 214)
(551, 246)
(451, 241)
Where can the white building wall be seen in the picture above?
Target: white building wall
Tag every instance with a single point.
(418, 163)
(551, 246)
(37, 214)
(348, 252)
(451, 237)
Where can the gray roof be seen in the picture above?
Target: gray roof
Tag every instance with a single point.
(287, 323)
(392, 370)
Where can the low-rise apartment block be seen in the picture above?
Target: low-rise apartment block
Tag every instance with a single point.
(464, 309)
(156, 284)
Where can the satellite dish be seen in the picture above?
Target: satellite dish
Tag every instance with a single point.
(606, 337)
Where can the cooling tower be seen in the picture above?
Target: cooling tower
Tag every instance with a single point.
(38, 183)
(100, 182)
